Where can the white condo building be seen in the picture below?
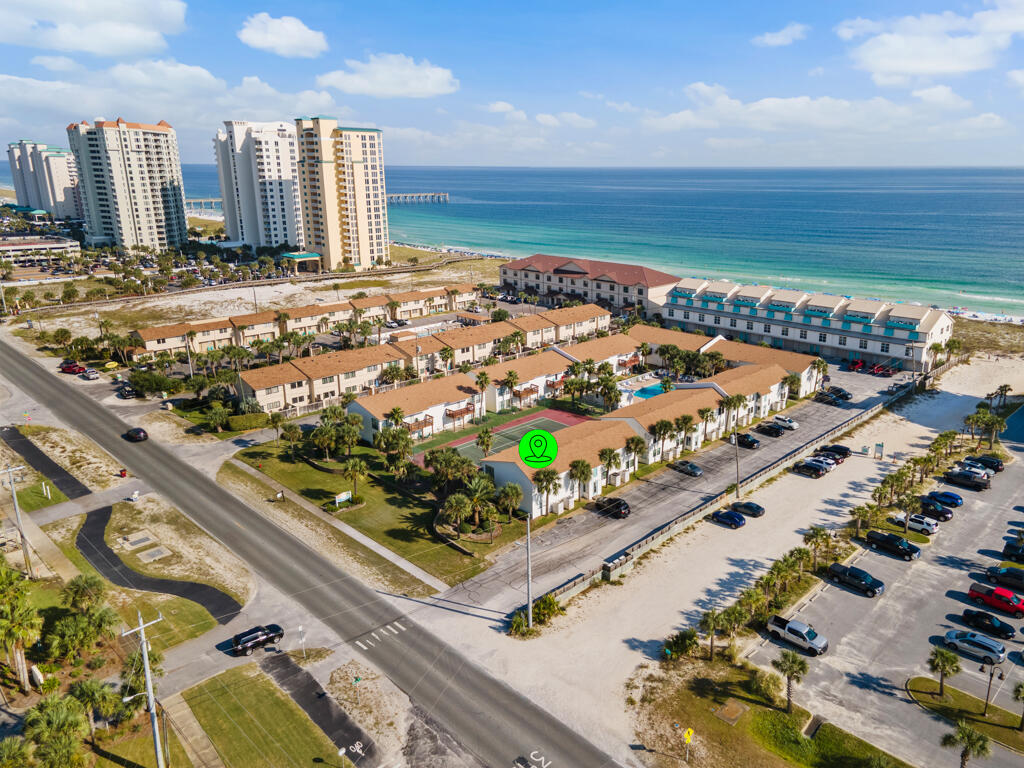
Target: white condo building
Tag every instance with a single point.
(342, 194)
(130, 178)
(256, 165)
(45, 178)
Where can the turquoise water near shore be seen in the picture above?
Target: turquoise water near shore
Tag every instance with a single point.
(951, 237)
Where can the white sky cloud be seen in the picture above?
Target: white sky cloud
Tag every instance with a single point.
(622, 106)
(100, 27)
(942, 96)
(1016, 78)
(728, 144)
(549, 121)
(508, 110)
(56, 63)
(286, 36)
(786, 36)
(576, 120)
(391, 75)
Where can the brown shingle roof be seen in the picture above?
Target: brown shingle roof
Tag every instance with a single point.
(415, 295)
(417, 398)
(272, 376)
(368, 302)
(602, 349)
(529, 367)
(786, 296)
(623, 274)
(738, 351)
(656, 337)
(580, 441)
(163, 331)
(749, 379)
(866, 306)
(528, 323)
(477, 334)
(257, 318)
(567, 315)
(461, 288)
(212, 325)
(669, 406)
(427, 345)
(825, 301)
(346, 360)
(315, 310)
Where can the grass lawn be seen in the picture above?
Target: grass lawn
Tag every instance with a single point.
(978, 335)
(253, 724)
(183, 619)
(399, 523)
(1000, 725)
(763, 737)
(209, 227)
(32, 498)
(198, 418)
(136, 751)
(911, 536)
(492, 420)
(401, 254)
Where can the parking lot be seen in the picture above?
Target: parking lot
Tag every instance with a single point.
(876, 645)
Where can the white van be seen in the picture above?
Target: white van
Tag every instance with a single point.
(785, 422)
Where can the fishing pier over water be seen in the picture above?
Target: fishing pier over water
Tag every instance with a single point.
(418, 197)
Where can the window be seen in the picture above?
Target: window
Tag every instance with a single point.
(884, 346)
(732, 322)
(863, 344)
(700, 318)
(767, 328)
(273, 406)
(822, 337)
(785, 331)
(327, 380)
(750, 325)
(718, 320)
(270, 390)
(908, 352)
(803, 333)
(296, 384)
(686, 315)
(671, 312)
(350, 374)
(842, 341)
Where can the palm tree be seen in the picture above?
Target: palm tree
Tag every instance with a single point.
(635, 445)
(911, 505)
(733, 618)
(820, 367)
(447, 355)
(97, 698)
(354, 470)
(511, 381)
(61, 751)
(15, 752)
(644, 349)
(484, 439)
(479, 491)
(396, 416)
(545, 481)
(684, 425)
(456, 508)
(276, 422)
(509, 498)
(660, 430)
(706, 415)
(53, 717)
(711, 622)
(815, 538)
(323, 437)
(1018, 695)
(994, 425)
(83, 592)
(609, 457)
(793, 667)
(483, 380)
(861, 515)
(945, 664)
(20, 625)
(1002, 391)
(936, 349)
(580, 472)
(292, 432)
(667, 385)
(970, 741)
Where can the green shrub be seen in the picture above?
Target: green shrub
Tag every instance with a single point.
(50, 685)
(465, 527)
(546, 608)
(96, 661)
(766, 685)
(356, 500)
(244, 421)
(683, 643)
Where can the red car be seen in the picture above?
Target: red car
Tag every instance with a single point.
(72, 368)
(876, 368)
(998, 597)
(856, 365)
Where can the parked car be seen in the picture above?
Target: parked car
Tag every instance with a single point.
(827, 398)
(126, 392)
(918, 523)
(727, 517)
(786, 422)
(982, 648)
(948, 498)
(1014, 551)
(838, 450)
(748, 508)
(839, 392)
(856, 578)
(746, 440)
(1007, 577)
(244, 643)
(772, 430)
(931, 508)
(809, 470)
(856, 365)
(967, 480)
(893, 544)
(799, 634)
(136, 435)
(977, 468)
(613, 506)
(91, 374)
(835, 458)
(988, 623)
(73, 368)
(687, 468)
(824, 466)
(991, 462)
(997, 597)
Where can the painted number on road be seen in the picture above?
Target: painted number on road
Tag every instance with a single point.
(539, 760)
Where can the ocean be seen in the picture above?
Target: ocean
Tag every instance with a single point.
(949, 237)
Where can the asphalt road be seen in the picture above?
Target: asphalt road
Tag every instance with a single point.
(876, 645)
(486, 716)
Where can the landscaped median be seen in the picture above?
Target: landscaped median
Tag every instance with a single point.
(955, 705)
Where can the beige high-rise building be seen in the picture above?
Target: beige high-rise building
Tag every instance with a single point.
(342, 193)
(130, 181)
(46, 178)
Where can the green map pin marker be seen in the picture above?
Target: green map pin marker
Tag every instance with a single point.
(537, 448)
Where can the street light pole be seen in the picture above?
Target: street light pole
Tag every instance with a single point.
(529, 573)
(153, 720)
(17, 516)
(991, 673)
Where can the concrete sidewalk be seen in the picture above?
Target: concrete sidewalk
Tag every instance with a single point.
(44, 548)
(348, 530)
(87, 504)
(193, 738)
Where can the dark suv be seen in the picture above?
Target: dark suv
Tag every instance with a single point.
(856, 578)
(612, 506)
(931, 508)
(967, 480)
(1014, 551)
(1006, 577)
(838, 450)
(748, 508)
(245, 643)
(772, 430)
(747, 441)
(991, 462)
(893, 544)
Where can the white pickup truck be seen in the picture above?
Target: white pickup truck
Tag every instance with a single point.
(797, 633)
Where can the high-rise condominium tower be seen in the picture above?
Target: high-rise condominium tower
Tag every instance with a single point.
(130, 177)
(46, 178)
(256, 164)
(341, 187)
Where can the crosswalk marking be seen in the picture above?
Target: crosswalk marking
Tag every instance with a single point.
(360, 645)
(400, 626)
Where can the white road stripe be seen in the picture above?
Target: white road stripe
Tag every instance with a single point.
(360, 645)
(400, 626)
(375, 636)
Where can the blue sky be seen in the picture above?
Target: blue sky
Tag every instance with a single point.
(540, 83)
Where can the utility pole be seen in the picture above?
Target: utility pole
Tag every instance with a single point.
(529, 572)
(151, 703)
(17, 517)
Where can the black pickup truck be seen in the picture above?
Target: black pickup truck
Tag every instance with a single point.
(893, 544)
(855, 578)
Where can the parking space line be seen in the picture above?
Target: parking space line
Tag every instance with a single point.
(360, 645)
(399, 626)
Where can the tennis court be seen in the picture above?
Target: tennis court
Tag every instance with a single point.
(508, 437)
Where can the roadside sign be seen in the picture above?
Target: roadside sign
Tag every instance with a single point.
(343, 496)
(688, 735)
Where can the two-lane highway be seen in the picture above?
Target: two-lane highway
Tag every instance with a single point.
(485, 715)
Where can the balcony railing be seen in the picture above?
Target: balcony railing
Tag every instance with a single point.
(556, 384)
(526, 391)
(458, 413)
(420, 424)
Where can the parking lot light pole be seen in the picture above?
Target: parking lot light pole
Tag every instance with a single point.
(17, 517)
(991, 673)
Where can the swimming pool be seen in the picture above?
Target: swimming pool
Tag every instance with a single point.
(650, 391)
